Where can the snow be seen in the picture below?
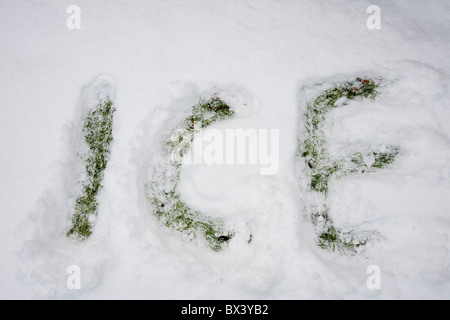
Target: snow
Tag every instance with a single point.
(162, 56)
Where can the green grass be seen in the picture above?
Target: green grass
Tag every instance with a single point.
(322, 169)
(383, 159)
(176, 215)
(165, 199)
(97, 131)
(330, 237)
(204, 114)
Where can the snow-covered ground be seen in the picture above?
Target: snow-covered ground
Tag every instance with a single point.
(162, 56)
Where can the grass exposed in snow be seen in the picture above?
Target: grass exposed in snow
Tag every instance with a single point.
(321, 168)
(332, 238)
(166, 201)
(203, 115)
(97, 131)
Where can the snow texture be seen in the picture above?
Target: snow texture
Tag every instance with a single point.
(160, 58)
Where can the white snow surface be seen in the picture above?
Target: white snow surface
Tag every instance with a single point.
(161, 57)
